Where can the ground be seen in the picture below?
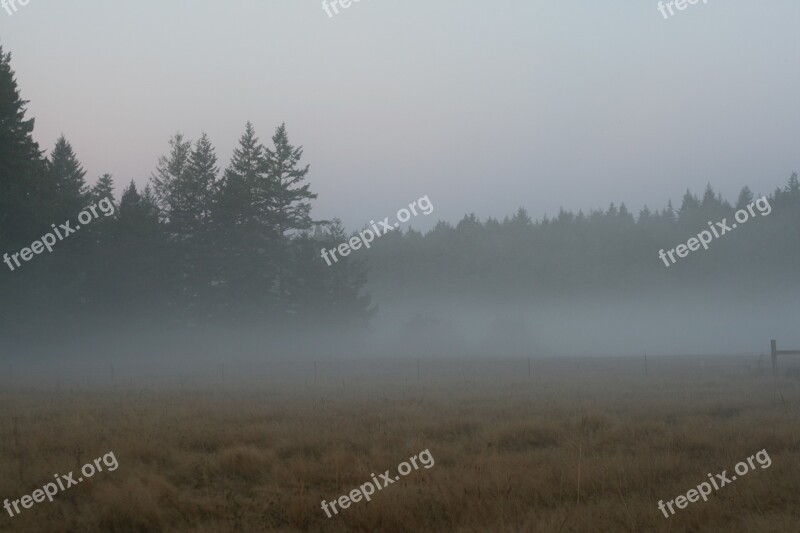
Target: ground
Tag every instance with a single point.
(586, 445)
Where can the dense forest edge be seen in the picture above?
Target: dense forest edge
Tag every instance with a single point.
(203, 246)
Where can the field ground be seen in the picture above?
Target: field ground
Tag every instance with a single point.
(579, 446)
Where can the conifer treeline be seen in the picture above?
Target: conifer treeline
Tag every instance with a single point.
(202, 245)
(196, 245)
(604, 250)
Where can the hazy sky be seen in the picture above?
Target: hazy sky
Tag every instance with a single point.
(483, 106)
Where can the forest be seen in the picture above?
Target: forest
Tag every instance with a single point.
(205, 243)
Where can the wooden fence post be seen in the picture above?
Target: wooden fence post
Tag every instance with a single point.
(774, 350)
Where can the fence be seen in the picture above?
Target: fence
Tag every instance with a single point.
(776, 353)
(267, 373)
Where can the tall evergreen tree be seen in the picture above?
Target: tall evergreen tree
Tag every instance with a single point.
(284, 200)
(22, 166)
(169, 170)
(137, 211)
(103, 191)
(66, 177)
(192, 192)
(668, 213)
(793, 187)
(244, 240)
(189, 186)
(141, 262)
(745, 197)
(689, 205)
(244, 173)
(520, 222)
(104, 188)
(709, 198)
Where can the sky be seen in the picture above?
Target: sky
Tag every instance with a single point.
(481, 106)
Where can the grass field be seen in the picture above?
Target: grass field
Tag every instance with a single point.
(587, 446)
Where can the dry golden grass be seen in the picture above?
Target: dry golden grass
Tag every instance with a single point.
(565, 451)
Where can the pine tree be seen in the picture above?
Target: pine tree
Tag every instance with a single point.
(66, 176)
(23, 213)
(137, 210)
(190, 204)
(793, 187)
(63, 196)
(624, 214)
(709, 200)
(564, 217)
(328, 293)
(668, 213)
(745, 197)
(520, 221)
(689, 205)
(149, 205)
(284, 201)
(245, 172)
(170, 169)
(245, 270)
(185, 186)
(140, 273)
(104, 188)
(192, 193)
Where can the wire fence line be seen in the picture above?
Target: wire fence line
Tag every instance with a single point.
(185, 373)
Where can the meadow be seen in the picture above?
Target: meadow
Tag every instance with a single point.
(580, 445)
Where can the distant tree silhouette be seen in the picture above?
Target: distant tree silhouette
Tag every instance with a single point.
(65, 175)
(197, 247)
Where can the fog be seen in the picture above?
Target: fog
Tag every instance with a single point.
(437, 331)
(257, 252)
